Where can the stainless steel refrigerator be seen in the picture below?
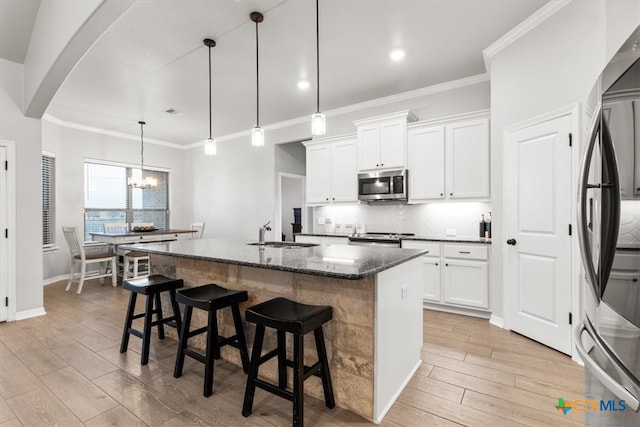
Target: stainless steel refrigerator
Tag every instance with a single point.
(608, 338)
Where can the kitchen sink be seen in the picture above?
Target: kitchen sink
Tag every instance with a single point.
(285, 245)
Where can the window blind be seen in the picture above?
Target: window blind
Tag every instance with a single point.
(48, 200)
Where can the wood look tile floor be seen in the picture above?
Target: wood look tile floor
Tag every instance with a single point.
(65, 368)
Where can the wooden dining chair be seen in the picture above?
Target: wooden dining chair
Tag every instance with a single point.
(199, 227)
(135, 264)
(81, 258)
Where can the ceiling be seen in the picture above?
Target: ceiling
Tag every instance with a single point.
(16, 24)
(153, 59)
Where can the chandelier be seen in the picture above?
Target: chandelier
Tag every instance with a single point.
(142, 182)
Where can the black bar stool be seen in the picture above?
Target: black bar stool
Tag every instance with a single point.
(210, 298)
(288, 316)
(152, 287)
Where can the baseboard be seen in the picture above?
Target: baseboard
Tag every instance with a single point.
(496, 321)
(455, 310)
(27, 314)
(55, 279)
(378, 419)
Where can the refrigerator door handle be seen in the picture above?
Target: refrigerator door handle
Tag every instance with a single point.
(616, 388)
(583, 222)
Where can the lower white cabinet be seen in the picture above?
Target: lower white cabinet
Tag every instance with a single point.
(321, 240)
(453, 274)
(466, 283)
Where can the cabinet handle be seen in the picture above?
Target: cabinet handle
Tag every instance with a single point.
(451, 194)
(377, 165)
(381, 164)
(635, 279)
(327, 198)
(446, 265)
(436, 263)
(464, 252)
(333, 198)
(441, 194)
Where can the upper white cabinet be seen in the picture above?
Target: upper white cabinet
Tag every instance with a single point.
(449, 160)
(332, 175)
(382, 141)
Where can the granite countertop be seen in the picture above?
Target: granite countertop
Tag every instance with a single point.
(455, 239)
(339, 261)
(422, 238)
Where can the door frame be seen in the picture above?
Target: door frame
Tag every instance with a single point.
(278, 205)
(575, 111)
(10, 255)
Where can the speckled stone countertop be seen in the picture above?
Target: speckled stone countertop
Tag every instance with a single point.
(450, 239)
(340, 261)
(422, 238)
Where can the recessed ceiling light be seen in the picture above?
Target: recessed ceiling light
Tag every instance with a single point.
(174, 112)
(303, 84)
(396, 55)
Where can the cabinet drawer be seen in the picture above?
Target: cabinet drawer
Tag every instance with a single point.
(433, 248)
(466, 252)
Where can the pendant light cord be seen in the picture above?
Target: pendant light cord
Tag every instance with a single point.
(210, 115)
(317, 59)
(257, 80)
(141, 146)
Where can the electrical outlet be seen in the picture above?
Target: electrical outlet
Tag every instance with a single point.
(320, 220)
(451, 232)
(405, 291)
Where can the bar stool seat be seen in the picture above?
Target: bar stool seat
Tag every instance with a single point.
(285, 315)
(210, 298)
(150, 286)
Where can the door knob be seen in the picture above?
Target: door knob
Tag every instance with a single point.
(511, 242)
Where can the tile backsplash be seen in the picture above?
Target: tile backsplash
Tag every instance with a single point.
(429, 219)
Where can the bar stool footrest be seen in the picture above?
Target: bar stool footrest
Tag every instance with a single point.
(272, 388)
(195, 355)
(269, 356)
(135, 332)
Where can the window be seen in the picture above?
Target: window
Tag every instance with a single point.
(108, 198)
(48, 173)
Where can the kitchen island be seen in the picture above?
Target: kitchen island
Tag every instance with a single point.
(375, 337)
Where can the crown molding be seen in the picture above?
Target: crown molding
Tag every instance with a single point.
(537, 18)
(52, 119)
(399, 97)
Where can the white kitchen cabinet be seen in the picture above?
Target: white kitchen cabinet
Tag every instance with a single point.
(382, 142)
(455, 276)
(332, 176)
(449, 160)
(465, 283)
(426, 163)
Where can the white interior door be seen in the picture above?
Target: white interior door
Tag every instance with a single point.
(4, 250)
(537, 214)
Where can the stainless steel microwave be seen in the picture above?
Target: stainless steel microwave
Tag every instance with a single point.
(390, 185)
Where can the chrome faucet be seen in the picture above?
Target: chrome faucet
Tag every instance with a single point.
(261, 232)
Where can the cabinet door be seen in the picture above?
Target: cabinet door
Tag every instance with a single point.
(344, 172)
(368, 147)
(468, 159)
(308, 239)
(431, 279)
(466, 283)
(318, 174)
(393, 140)
(426, 163)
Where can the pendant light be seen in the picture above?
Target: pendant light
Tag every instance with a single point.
(210, 146)
(257, 133)
(142, 182)
(318, 120)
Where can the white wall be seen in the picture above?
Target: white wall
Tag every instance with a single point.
(72, 147)
(26, 134)
(555, 65)
(233, 192)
